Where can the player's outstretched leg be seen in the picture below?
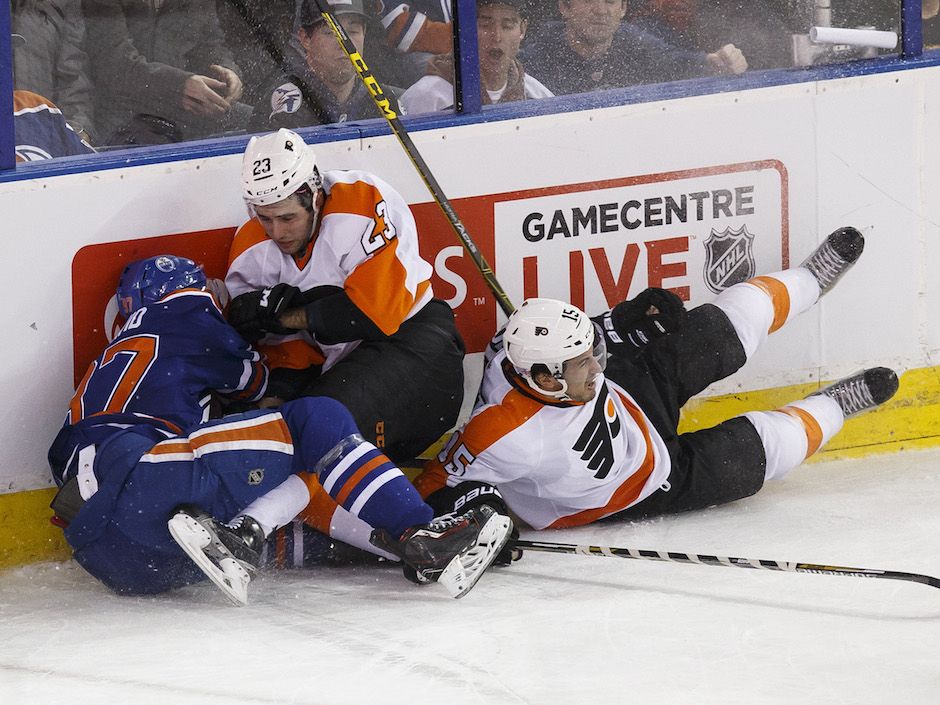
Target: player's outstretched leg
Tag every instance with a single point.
(862, 391)
(834, 257)
(793, 433)
(228, 554)
(453, 550)
(765, 303)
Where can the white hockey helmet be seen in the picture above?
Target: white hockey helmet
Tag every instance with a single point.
(275, 166)
(547, 332)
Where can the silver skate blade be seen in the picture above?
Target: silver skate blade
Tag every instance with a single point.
(228, 574)
(463, 572)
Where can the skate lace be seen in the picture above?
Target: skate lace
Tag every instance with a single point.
(445, 522)
(826, 264)
(853, 395)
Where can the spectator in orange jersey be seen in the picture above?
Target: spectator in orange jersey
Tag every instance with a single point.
(328, 277)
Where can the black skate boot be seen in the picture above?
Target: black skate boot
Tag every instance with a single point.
(835, 257)
(228, 554)
(451, 550)
(863, 391)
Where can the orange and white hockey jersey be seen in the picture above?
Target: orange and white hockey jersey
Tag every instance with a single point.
(557, 464)
(366, 243)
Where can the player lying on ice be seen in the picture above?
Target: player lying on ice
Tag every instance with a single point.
(147, 482)
(563, 442)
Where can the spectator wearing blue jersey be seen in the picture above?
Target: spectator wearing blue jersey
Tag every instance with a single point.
(41, 130)
(322, 85)
(49, 58)
(146, 483)
(591, 48)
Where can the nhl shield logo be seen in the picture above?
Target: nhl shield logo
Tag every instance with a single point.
(729, 258)
(255, 476)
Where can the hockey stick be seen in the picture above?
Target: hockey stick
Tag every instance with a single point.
(384, 106)
(729, 562)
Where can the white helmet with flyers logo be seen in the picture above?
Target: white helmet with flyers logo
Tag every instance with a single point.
(277, 165)
(548, 332)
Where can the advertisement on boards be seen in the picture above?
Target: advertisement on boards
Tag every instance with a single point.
(594, 244)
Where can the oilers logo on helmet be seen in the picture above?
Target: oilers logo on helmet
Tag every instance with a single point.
(164, 264)
(146, 281)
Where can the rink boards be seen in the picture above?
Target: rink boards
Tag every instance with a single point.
(590, 206)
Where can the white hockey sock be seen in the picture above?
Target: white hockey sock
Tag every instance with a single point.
(795, 432)
(349, 528)
(279, 506)
(763, 304)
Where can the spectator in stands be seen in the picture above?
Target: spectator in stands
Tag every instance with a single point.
(258, 33)
(501, 27)
(928, 12)
(419, 26)
(41, 131)
(760, 28)
(162, 71)
(592, 49)
(322, 86)
(49, 58)
(671, 20)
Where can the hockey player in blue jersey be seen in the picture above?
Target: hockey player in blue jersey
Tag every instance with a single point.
(153, 496)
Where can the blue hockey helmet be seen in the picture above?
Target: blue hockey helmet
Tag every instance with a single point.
(146, 281)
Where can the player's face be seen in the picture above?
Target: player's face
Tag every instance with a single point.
(325, 56)
(581, 375)
(500, 31)
(592, 22)
(287, 223)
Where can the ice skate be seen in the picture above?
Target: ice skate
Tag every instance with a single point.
(228, 554)
(451, 550)
(863, 391)
(834, 257)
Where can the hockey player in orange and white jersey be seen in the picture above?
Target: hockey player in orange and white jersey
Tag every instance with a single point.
(328, 276)
(563, 442)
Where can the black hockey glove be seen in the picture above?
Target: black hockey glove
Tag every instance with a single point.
(632, 325)
(471, 495)
(255, 313)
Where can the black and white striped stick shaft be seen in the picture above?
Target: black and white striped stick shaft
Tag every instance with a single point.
(382, 102)
(729, 562)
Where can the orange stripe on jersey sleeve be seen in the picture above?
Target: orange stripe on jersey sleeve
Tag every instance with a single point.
(293, 354)
(377, 287)
(248, 235)
(776, 290)
(28, 99)
(628, 491)
(481, 432)
(274, 429)
(358, 198)
(171, 447)
(320, 509)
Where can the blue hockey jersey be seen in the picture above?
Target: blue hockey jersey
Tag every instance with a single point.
(159, 371)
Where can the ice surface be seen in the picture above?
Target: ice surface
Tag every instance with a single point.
(550, 629)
